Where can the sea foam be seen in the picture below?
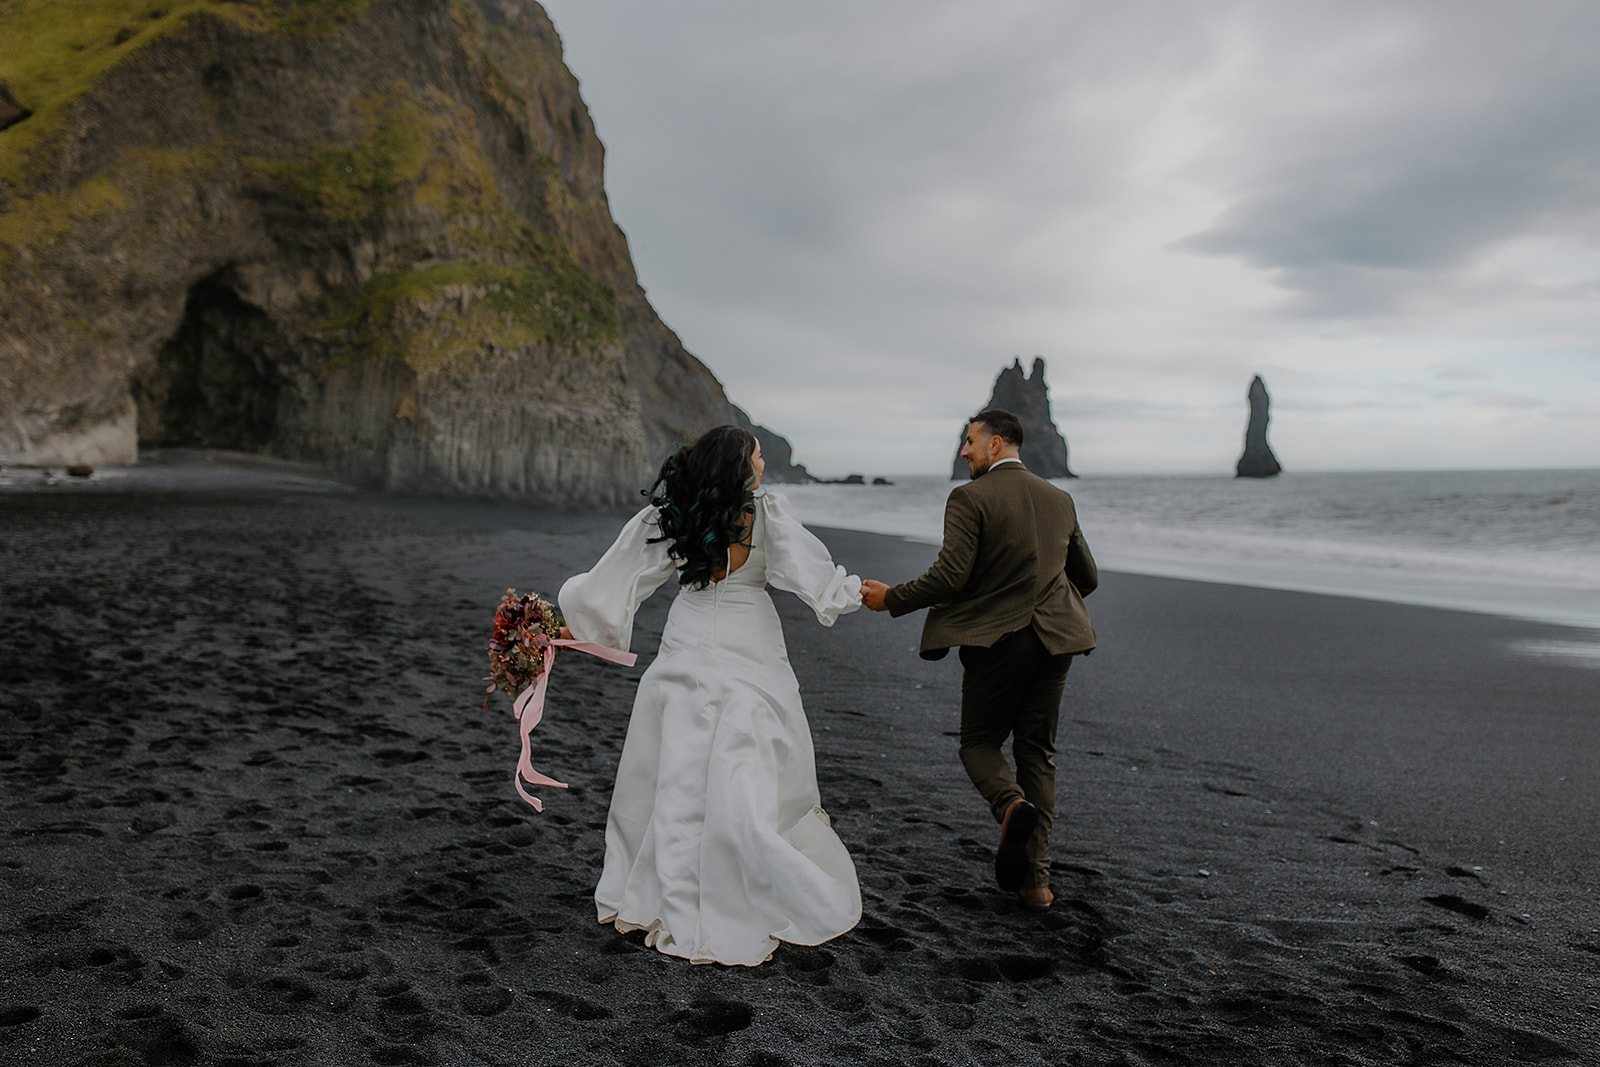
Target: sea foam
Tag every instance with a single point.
(1517, 543)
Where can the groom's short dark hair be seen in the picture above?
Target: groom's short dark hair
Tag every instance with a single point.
(1001, 423)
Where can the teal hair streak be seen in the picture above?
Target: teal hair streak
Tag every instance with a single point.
(701, 495)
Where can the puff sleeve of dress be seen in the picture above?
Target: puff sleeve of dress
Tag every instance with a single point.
(799, 563)
(599, 604)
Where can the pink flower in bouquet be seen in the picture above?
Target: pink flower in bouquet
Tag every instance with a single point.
(523, 627)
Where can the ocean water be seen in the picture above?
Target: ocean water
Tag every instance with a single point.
(1524, 544)
(1519, 543)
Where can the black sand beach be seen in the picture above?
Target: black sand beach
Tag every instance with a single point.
(254, 814)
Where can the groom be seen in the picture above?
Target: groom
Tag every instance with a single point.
(1008, 589)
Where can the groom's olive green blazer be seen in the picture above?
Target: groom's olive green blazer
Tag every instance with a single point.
(1013, 556)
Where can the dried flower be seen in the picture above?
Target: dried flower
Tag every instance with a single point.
(523, 627)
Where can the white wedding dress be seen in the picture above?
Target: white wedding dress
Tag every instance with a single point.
(717, 845)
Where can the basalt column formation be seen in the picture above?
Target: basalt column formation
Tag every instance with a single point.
(371, 234)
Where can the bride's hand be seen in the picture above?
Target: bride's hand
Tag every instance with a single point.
(566, 634)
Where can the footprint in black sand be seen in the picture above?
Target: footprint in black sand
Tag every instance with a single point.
(806, 959)
(146, 1034)
(144, 824)
(1424, 965)
(844, 1001)
(339, 968)
(1451, 902)
(270, 846)
(394, 757)
(282, 994)
(1402, 870)
(963, 897)
(711, 1017)
(1462, 872)
(193, 926)
(1255, 1007)
(890, 937)
(1527, 1046)
(1024, 968)
(404, 1013)
(481, 995)
(576, 1007)
(1009, 968)
(17, 1014)
(426, 812)
(482, 946)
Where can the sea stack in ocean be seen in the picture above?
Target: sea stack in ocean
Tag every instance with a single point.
(369, 235)
(1044, 450)
(1258, 460)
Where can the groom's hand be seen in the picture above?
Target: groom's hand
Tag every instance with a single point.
(872, 594)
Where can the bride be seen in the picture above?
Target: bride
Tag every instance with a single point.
(716, 844)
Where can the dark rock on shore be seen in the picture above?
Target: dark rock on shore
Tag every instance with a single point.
(1044, 450)
(776, 453)
(1258, 460)
(851, 479)
(372, 236)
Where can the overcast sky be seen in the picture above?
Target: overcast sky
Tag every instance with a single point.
(856, 212)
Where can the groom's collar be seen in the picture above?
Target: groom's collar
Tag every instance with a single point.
(999, 464)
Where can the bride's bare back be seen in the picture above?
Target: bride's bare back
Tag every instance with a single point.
(738, 551)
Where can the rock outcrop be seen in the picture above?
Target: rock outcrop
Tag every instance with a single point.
(1257, 460)
(371, 234)
(776, 452)
(1044, 450)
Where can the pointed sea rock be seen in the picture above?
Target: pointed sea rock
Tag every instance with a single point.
(1258, 460)
(1044, 450)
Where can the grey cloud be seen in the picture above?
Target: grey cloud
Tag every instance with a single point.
(1502, 399)
(1484, 129)
(1093, 407)
(858, 124)
(844, 206)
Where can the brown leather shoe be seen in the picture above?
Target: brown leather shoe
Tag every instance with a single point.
(1036, 898)
(1011, 858)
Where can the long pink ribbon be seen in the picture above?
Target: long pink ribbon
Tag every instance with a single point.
(529, 707)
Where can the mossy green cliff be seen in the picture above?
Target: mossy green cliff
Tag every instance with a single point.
(371, 233)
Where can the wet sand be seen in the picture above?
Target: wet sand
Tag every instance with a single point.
(254, 813)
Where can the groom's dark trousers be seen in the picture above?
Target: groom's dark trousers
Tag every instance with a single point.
(1013, 688)
(1007, 589)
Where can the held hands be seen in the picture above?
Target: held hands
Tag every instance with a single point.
(872, 595)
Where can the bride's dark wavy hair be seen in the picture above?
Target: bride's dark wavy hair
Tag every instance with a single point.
(701, 494)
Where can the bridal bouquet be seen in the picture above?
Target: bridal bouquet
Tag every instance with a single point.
(524, 626)
(522, 649)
